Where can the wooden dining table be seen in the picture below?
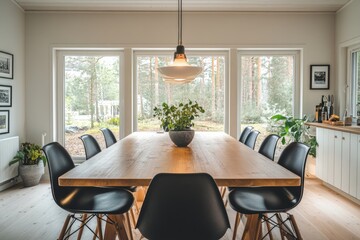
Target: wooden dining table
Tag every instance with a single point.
(136, 159)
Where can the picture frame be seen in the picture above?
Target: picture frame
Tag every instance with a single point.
(6, 65)
(319, 77)
(4, 121)
(5, 96)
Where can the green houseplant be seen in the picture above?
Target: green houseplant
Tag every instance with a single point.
(178, 120)
(292, 129)
(31, 163)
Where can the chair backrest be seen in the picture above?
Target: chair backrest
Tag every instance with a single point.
(91, 145)
(251, 139)
(59, 162)
(183, 206)
(293, 158)
(268, 146)
(109, 137)
(244, 134)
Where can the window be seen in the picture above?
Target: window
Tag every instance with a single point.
(269, 84)
(88, 97)
(208, 89)
(355, 81)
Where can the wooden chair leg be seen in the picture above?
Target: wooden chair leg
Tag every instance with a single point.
(295, 227)
(98, 227)
(129, 226)
(136, 204)
(236, 224)
(258, 231)
(63, 230)
(133, 217)
(83, 219)
(268, 227)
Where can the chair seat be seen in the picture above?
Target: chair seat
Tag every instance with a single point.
(97, 200)
(255, 200)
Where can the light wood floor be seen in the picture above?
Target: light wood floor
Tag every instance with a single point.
(31, 213)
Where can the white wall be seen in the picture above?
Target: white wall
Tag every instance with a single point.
(12, 40)
(313, 32)
(347, 34)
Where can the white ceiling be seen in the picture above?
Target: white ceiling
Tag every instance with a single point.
(188, 5)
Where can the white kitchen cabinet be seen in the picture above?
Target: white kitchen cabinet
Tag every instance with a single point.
(354, 189)
(338, 159)
(320, 153)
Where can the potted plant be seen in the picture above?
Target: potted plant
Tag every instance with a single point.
(178, 120)
(295, 130)
(292, 129)
(31, 163)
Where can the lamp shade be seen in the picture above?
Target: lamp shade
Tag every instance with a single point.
(179, 71)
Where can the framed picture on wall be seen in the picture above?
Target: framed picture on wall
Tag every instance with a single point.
(319, 77)
(6, 65)
(5, 96)
(4, 121)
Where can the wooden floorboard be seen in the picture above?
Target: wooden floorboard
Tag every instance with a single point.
(31, 214)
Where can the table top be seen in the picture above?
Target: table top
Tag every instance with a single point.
(136, 159)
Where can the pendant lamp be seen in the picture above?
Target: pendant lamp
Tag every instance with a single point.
(180, 71)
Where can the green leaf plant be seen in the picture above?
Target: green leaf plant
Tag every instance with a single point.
(178, 117)
(29, 154)
(292, 129)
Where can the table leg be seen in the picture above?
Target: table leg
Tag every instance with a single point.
(111, 231)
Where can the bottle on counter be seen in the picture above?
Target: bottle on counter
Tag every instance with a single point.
(324, 110)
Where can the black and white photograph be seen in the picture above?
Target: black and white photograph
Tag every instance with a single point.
(6, 65)
(319, 76)
(4, 121)
(5, 96)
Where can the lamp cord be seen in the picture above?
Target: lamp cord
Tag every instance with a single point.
(179, 22)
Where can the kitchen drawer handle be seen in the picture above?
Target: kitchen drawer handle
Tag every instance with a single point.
(343, 138)
(335, 136)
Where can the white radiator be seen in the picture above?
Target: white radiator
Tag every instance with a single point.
(8, 149)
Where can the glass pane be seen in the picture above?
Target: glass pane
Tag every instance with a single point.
(357, 81)
(91, 99)
(207, 89)
(267, 88)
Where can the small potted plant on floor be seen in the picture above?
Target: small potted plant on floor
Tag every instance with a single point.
(31, 163)
(178, 120)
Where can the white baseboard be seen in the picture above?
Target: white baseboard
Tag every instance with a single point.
(9, 183)
(344, 194)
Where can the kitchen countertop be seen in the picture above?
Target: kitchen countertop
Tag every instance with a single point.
(350, 129)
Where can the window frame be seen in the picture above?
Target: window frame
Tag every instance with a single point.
(352, 80)
(58, 88)
(297, 87)
(189, 52)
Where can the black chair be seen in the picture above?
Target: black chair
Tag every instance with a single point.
(91, 149)
(91, 146)
(109, 136)
(264, 200)
(251, 139)
(268, 146)
(245, 133)
(89, 201)
(183, 206)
